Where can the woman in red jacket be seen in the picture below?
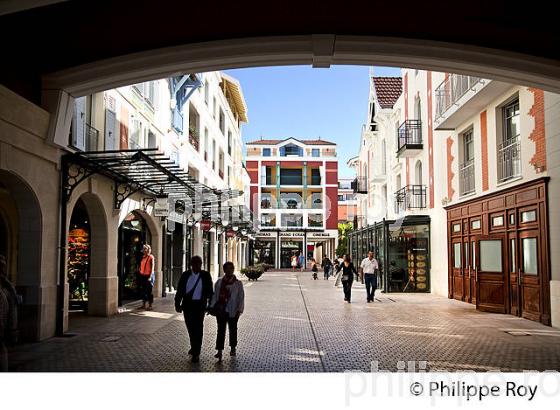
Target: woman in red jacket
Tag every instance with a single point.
(147, 277)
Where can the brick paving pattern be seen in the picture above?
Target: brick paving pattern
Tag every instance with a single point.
(295, 324)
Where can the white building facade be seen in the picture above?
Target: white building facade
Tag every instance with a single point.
(453, 183)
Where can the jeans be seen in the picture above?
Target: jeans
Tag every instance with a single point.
(347, 288)
(231, 323)
(146, 288)
(371, 285)
(194, 312)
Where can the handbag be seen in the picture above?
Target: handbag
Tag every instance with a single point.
(218, 309)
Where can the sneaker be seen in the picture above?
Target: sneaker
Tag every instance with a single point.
(150, 307)
(232, 352)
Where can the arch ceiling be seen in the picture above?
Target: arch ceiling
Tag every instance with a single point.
(513, 40)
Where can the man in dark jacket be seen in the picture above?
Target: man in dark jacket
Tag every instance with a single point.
(194, 292)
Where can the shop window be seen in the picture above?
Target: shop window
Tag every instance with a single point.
(528, 216)
(457, 255)
(498, 220)
(491, 256)
(529, 256)
(475, 224)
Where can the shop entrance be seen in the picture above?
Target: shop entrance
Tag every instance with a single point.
(78, 263)
(133, 234)
(173, 255)
(287, 249)
(264, 252)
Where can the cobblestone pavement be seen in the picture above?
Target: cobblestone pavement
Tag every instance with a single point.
(295, 324)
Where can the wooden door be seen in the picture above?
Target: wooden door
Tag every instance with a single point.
(530, 275)
(473, 257)
(491, 280)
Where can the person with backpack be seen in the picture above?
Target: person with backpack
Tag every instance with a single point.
(227, 304)
(147, 277)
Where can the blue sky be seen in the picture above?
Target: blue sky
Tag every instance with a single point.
(307, 103)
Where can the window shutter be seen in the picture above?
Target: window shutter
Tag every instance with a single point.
(79, 124)
(110, 130)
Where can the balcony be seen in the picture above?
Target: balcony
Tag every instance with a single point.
(89, 141)
(459, 97)
(410, 197)
(509, 160)
(359, 185)
(409, 138)
(466, 178)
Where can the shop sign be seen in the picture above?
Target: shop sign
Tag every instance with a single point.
(267, 234)
(230, 234)
(206, 224)
(161, 207)
(175, 217)
(291, 234)
(320, 235)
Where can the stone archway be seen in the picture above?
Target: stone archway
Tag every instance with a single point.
(26, 244)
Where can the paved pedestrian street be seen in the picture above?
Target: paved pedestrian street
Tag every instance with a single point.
(295, 324)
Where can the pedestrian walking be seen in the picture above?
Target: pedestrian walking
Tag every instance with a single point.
(314, 268)
(301, 261)
(347, 278)
(369, 269)
(294, 262)
(227, 305)
(327, 266)
(8, 314)
(147, 277)
(194, 291)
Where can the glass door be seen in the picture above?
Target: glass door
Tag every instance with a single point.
(490, 279)
(457, 269)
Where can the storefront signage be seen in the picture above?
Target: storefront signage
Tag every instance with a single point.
(161, 207)
(267, 234)
(175, 217)
(205, 224)
(321, 235)
(291, 234)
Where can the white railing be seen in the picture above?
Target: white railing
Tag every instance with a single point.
(451, 90)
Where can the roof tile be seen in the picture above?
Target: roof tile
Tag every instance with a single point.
(388, 90)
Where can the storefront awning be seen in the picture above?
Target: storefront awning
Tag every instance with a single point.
(146, 170)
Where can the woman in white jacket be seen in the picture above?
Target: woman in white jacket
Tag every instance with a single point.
(227, 303)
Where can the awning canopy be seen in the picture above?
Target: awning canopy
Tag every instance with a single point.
(146, 170)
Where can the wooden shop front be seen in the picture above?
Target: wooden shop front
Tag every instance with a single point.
(498, 251)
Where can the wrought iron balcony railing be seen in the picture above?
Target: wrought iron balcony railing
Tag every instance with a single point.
(359, 185)
(409, 136)
(410, 197)
(466, 177)
(451, 90)
(509, 160)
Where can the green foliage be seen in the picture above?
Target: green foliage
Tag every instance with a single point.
(343, 231)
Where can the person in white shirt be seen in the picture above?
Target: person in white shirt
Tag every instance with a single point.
(369, 268)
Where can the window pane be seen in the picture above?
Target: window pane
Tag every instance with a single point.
(512, 246)
(466, 254)
(457, 255)
(528, 216)
(530, 256)
(491, 256)
(498, 221)
(457, 228)
(475, 224)
(473, 247)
